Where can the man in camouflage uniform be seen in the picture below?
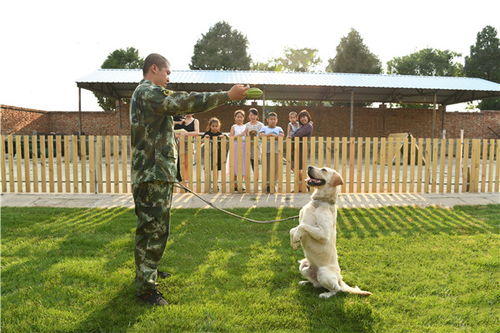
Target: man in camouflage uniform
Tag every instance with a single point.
(154, 163)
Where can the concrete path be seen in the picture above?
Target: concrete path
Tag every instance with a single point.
(248, 200)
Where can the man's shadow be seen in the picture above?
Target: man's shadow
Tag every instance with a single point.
(117, 315)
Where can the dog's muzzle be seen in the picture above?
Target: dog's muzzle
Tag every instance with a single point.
(313, 181)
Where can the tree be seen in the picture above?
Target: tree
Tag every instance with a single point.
(353, 56)
(222, 47)
(294, 60)
(484, 62)
(128, 58)
(430, 62)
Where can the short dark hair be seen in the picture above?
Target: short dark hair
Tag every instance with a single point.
(154, 59)
(272, 114)
(253, 111)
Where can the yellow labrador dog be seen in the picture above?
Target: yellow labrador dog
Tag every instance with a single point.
(317, 234)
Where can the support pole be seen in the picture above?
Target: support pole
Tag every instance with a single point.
(433, 134)
(443, 112)
(80, 110)
(351, 120)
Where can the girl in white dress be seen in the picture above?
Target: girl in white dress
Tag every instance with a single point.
(238, 129)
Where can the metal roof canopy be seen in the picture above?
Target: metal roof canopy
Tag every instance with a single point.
(335, 87)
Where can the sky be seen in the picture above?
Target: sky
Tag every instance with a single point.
(46, 46)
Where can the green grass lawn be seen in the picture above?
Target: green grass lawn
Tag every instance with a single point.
(430, 270)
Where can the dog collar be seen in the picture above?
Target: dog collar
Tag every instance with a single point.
(317, 202)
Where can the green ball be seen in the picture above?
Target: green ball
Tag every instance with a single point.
(254, 93)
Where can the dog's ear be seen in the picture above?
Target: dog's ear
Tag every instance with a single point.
(336, 180)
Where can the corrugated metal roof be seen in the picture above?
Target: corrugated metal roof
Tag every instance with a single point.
(314, 86)
(299, 79)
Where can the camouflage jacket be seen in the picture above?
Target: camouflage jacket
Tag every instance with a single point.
(154, 150)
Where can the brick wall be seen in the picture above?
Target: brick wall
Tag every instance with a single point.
(328, 121)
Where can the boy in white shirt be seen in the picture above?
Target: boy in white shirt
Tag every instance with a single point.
(272, 130)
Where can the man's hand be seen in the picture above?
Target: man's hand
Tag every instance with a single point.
(237, 92)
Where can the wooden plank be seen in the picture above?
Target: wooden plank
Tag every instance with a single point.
(435, 146)
(67, 160)
(491, 169)
(264, 163)
(34, 147)
(321, 147)
(206, 159)
(19, 164)
(366, 180)
(83, 162)
(497, 177)
(458, 163)
(182, 162)
(484, 164)
(442, 157)
(10, 148)
(74, 161)
(352, 155)
(190, 145)
(107, 155)
(328, 152)
(336, 153)
(215, 173)
(359, 160)
(248, 168)
(116, 164)
(428, 164)
(50, 148)
(465, 167)
(27, 164)
(412, 164)
(98, 149)
(397, 155)
(3, 167)
(344, 163)
(272, 164)
(382, 161)
(312, 151)
(239, 176)
(223, 152)
(420, 159)
(374, 177)
(404, 178)
(304, 163)
(279, 163)
(296, 176)
(92, 181)
(231, 165)
(476, 155)
(124, 150)
(288, 172)
(256, 164)
(449, 165)
(390, 156)
(59, 164)
(198, 165)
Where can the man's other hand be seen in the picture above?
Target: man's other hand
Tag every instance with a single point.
(237, 92)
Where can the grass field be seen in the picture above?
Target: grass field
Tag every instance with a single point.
(430, 270)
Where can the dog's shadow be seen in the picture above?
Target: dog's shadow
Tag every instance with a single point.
(340, 313)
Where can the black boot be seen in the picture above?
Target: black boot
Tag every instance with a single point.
(153, 297)
(164, 275)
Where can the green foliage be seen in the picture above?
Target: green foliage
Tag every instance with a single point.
(294, 60)
(430, 62)
(222, 47)
(353, 56)
(484, 62)
(72, 270)
(122, 58)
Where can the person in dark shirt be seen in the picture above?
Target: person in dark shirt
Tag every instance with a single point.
(213, 131)
(305, 130)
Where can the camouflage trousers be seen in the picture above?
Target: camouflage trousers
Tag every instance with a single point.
(152, 207)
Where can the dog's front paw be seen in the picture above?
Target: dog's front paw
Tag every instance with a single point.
(303, 283)
(295, 245)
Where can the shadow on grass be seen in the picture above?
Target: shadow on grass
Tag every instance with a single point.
(119, 314)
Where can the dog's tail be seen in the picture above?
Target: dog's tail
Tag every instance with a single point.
(353, 290)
